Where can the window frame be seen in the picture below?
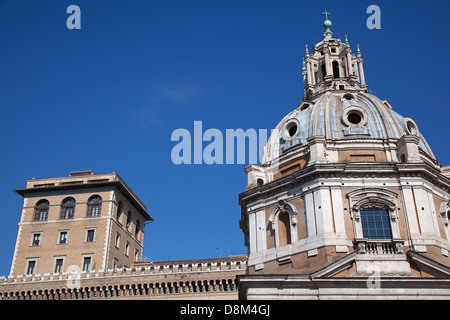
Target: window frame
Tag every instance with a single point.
(129, 220)
(83, 266)
(117, 240)
(57, 266)
(137, 230)
(89, 239)
(119, 212)
(373, 198)
(94, 206)
(373, 229)
(127, 248)
(31, 271)
(283, 207)
(41, 211)
(33, 239)
(68, 209)
(66, 238)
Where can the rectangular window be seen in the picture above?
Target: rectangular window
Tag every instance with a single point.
(90, 236)
(115, 263)
(87, 263)
(94, 210)
(117, 243)
(31, 266)
(375, 224)
(41, 215)
(36, 239)
(67, 212)
(59, 265)
(63, 237)
(127, 249)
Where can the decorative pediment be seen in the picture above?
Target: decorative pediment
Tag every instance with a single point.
(367, 198)
(429, 266)
(421, 262)
(444, 210)
(281, 207)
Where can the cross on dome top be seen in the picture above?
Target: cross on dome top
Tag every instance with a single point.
(327, 25)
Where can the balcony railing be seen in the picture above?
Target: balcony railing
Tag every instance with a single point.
(380, 247)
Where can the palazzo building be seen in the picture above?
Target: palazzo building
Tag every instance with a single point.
(81, 237)
(349, 201)
(80, 222)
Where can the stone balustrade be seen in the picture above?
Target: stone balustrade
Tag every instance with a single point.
(138, 282)
(380, 247)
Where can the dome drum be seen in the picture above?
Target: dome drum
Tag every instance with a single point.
(339, 123)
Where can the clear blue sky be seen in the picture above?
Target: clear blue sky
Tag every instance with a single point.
(108, 97)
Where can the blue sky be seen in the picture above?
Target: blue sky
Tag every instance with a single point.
(108, 97)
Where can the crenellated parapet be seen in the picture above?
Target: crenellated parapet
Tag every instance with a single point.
(142, 281)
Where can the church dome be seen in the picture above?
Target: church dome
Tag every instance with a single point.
(347, 186)
(348, 119)
(338, 120)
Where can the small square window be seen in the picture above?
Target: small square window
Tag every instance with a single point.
(58, 265)
(87, 263)
(63, 237)
(117, 243)
(31, 266)
(127, 249)
(90, 236)
(36, 239)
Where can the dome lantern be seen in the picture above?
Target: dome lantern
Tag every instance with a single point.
(327, 25)
(331, 65)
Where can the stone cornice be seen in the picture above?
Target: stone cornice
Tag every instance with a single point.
(348, 170)
(119, 184)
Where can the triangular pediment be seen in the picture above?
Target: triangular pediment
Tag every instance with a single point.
(336, 267)
(345, 266)
(429, 266)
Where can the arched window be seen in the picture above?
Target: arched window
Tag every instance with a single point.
(41, 210)
(138, 229)
(68, 208)
(375, 224)
(284, 229)
(94, 206)
(324, 72)
(129, 218)
(283, 221)
(119, 211)
(374, 214)
(403, 158)
(336, 73)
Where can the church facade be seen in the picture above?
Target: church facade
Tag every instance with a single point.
(349, 201)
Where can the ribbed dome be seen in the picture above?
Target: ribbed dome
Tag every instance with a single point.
(353, 117)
